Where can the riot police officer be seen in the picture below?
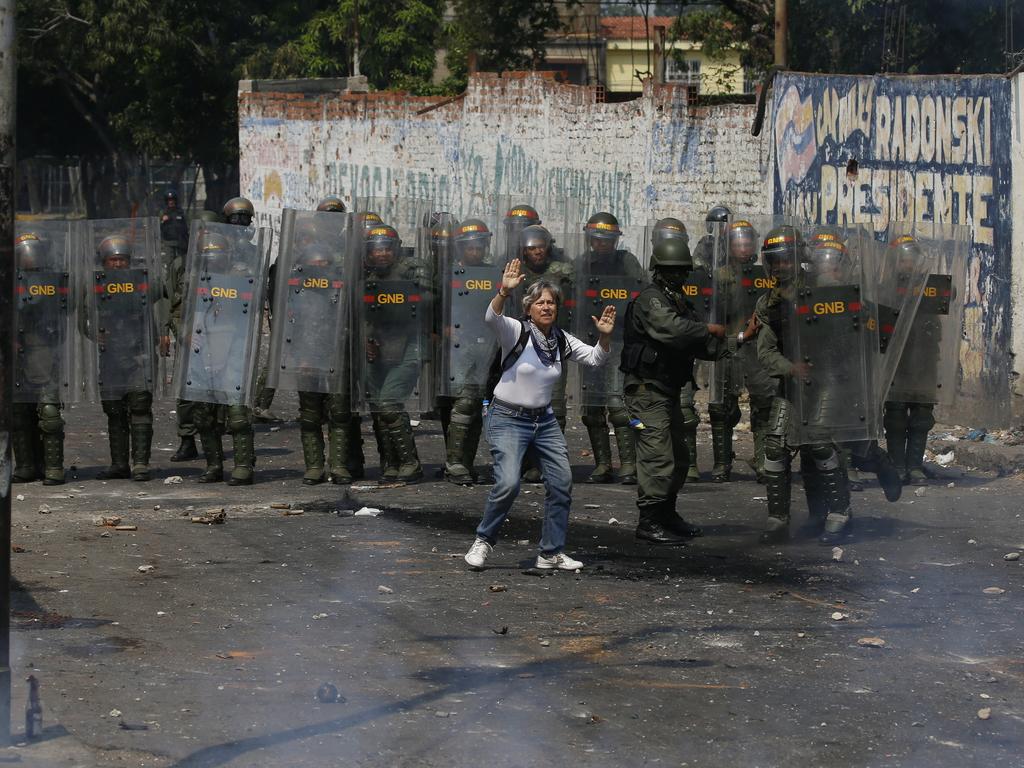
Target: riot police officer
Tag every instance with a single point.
(825, 482)
(468, 352)
(37, 435)
(662, 338)
(908, 423)
(739, 278)
(123, 338)
(605, 263)
(226, 349)
(173, 230)
(393, 353)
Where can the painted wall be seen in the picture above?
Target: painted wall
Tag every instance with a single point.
(927, 148)
(521, 133)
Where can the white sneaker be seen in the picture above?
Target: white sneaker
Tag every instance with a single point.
(477, 555)
(561, 561)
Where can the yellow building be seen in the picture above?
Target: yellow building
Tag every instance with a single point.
(635, 51)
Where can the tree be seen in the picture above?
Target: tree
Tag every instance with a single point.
(847, 35)
(501, 35)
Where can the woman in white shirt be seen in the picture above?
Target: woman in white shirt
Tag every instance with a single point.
(520, 414)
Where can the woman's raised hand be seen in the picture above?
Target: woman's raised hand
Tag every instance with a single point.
(606, 323)
(511, 278)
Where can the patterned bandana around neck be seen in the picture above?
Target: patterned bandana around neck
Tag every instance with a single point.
(546, 347)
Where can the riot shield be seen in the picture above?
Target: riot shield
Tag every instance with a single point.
(469, 279)
(309, 338)
(391, 343)
(221, 320)
(45, 332)
(928, 370)
(825, 333)
(557, 213)
(119, 276)
(613, 277)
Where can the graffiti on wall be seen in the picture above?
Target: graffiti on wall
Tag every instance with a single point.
(876, 151)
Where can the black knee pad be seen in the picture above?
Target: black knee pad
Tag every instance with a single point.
(51, 422)
(593, 416)
(922, 417)
(140, 407)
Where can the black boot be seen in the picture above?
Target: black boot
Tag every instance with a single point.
(650, 530)
(672, 521)
(187, 450)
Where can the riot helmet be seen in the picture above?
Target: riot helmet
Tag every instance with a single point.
(742, 239)
(331, 204)
(368, 219)
(115, 252)
(441, 225)
(472, 241)
(667, 228)
(672, 262)
(523, 215)
(782, 249)
(719, 214)
(210, 217)
(908, 253)
(215, 250)
(382, 244)
(829, 263)
(825, 233)
(239, 210)
(603, 233)
(535, 247)
(171, 198)
(30, 251)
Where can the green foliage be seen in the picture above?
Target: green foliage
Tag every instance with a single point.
(847, 36)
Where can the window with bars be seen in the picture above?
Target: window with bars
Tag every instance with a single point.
(686, 72)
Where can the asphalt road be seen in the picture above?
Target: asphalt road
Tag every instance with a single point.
(722, 652)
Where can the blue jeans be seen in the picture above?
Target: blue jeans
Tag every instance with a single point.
(510, 435)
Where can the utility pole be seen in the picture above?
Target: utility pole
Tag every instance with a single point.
(355, 42)
(8, 83)
(781, 28)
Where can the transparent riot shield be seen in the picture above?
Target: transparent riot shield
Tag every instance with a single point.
(392, 353)
(221, 320)
(825, 333)
(896, 278)
(928, 370)
(309, 338)
(607, 275)
(556, 213)
(468, 280)
(46, 365)
(119, 277)
(739, 281)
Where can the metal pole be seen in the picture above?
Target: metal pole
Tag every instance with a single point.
(781, 28)
(8, 82)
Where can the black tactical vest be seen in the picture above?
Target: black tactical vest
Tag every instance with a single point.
(649, 359)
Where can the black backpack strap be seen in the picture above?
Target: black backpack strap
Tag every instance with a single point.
(517, 350)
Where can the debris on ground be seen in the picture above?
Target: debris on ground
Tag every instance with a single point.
(367, 512)
(837, 616)
(44, 509)
(20, 497)
(613, 521)
(147, 568)
(115, 713)
(993, 590)
(498, 588)
(871, 642)
(919, 492)
(591, 506)
(545, 643)
(1011, 556)
(502, 631)
(294, 512)
(985, 713)
(126, 527)
(280, 505)
(385, 590)
(837, 554)
(945, 459)
(106, 521)
(215, 516)
(173, 480)
(328, 694)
